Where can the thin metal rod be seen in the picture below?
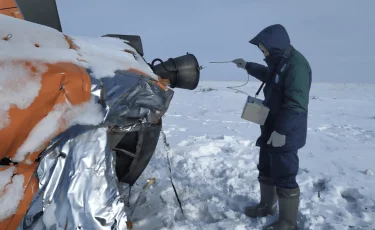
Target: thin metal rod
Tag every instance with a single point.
(221, 61)
(126, 152)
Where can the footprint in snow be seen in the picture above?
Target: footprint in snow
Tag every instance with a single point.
(357, 204)
(351, 195)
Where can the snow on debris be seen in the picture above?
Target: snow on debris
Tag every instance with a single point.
(21, 32)
(103, 55)
(49, 218)
(11, 192)
(6, 176)
(18, 87)
(88, 113)
(24, 41)
(22, 37)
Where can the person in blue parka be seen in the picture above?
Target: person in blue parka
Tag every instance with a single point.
(287, 81)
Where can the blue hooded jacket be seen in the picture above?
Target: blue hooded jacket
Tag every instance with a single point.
(287, 79)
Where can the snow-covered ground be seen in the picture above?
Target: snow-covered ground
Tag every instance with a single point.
(213, 155)
(214, 160)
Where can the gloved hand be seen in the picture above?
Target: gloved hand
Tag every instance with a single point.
(276, 139)
(241, 63)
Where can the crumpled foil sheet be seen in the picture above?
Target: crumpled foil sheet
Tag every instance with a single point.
(78, 187)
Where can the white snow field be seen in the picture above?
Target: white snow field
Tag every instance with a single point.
(214, 161)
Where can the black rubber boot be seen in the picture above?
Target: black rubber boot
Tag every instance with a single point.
(288, 210)
(268, 200)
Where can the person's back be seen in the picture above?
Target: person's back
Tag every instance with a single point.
(290, 117)
(297, 60)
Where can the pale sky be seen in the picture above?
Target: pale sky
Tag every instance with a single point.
(336, 36)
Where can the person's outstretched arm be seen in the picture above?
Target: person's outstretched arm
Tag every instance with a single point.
(256, 70)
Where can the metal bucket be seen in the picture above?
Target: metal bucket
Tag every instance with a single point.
(182, 72)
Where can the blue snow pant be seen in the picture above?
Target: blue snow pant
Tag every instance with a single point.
(280, 165)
